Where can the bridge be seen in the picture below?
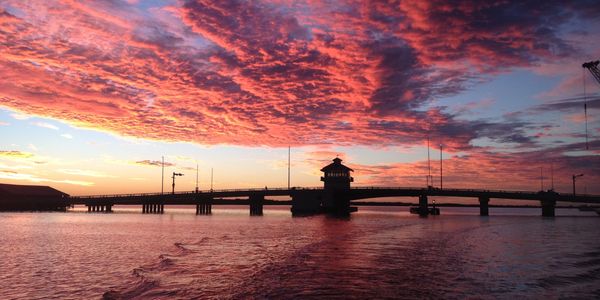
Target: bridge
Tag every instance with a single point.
(319, 200)
(334, 197)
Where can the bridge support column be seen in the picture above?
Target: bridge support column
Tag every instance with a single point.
(204, 207)
(162, 208)
(256, 205)
(484, 209)
(548, 206)
(89, 208)
(423, 206)
(109, 208)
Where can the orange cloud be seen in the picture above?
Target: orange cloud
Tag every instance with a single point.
(154, 163)
(276, 73)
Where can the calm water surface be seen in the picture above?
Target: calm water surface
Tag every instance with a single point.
(380, 252)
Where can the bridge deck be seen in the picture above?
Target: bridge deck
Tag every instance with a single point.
(354, 193)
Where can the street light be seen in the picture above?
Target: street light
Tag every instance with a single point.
(441, 174)
(574, 177)
(175, 174)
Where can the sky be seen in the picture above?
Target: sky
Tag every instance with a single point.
(93, 94)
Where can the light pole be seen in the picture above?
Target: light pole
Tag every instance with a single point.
(289, 165)
(441, 173)
(541, 178)
(575, 177)
(175, 174)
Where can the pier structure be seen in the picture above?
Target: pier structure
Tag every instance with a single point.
(423, 206)
(484, 206)
(334, 197)
(104, 207)
(203, 204)
(305, 201)
(153, 208)
(256, 204)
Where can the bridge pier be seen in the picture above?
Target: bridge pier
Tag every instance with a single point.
(548, 206)
(153, 208)
(256, 205)
(484, 209)
(99, 208)
(204, 209)
(423, 206)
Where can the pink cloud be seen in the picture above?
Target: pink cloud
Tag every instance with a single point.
(270, 73)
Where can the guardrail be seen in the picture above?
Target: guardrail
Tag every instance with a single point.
(425, 189)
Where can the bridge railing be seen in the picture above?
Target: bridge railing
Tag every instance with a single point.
(438, 189)
(194, 192)
(424, 189)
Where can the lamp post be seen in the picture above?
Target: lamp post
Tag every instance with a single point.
(575, 177)
(175, 174)
(441, 173)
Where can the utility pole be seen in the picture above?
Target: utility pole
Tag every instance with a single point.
(441, 173)
(162, 179)
(552, 176)
(175, 174)
(575, 177)
(542, 178)
(211, 180)
(429, 178)
(289, 165)
(196, 177)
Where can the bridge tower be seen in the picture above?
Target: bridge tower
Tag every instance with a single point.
(337, 176)
(337, 179)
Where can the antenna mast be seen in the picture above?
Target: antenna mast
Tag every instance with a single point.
(552, 176)
(542, 178)
(441, 174)
(585, 109)
(429, 178)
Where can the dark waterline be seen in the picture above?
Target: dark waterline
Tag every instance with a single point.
(380, 252)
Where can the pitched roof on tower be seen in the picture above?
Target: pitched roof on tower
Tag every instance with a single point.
(336, 166)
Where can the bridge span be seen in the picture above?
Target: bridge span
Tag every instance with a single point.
(319, 200)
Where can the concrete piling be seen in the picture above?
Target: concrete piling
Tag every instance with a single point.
(423, 206)
(256, 205)
(484, 209)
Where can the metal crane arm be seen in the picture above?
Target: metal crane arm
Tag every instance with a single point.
(592, 66)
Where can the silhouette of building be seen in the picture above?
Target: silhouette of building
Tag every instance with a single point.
(31, 197)
(336, 176)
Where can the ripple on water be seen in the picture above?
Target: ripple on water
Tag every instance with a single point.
(125, 256)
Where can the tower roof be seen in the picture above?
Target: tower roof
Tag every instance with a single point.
(336, 166)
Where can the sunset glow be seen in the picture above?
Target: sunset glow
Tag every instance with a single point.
(94, 93)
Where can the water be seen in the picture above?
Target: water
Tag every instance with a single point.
(380, 252)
